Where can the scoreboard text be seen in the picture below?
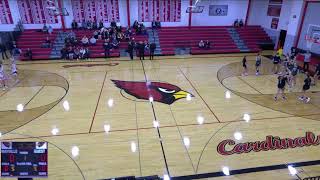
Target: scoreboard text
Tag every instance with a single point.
(24, 159)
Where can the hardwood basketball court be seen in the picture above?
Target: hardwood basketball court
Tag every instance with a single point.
(92, 105)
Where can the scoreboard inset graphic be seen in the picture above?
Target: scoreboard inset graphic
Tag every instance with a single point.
(24, 159)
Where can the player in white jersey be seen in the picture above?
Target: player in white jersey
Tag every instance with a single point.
(2, 77)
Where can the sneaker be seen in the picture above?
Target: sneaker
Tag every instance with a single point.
(275, 98)
(3, 89)
(284, 98)
(307, 100)
(301, 98)
(257, 74)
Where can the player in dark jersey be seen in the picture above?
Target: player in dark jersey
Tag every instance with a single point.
(244, 65)
(282, 80)
(316, 74)
(276, 63)
(306, 86)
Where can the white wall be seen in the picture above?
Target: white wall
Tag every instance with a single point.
(258, 14)
(237, 9)
(184, 16)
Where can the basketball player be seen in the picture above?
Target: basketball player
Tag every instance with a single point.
(258, 64)
(316, 74)
(276, 62)
(2, 77)
(306, 86)
(294, 72)
(282, 80)
(14, 70)
(244, 65)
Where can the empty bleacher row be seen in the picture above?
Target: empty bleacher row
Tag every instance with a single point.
(170, 38)
(33, 40)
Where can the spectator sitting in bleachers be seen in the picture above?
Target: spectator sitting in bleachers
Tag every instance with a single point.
(96, 34)
(47, 43)
(201, 44)
(85, 41)
(93, 41)
(74, 25)
(89, 24)
(76, 52)
(83, 24)
(241, 23)
(156, 25)
(207, 44)
(28, 54)
(101, 25)
(82, 53)
(113, 24)
(141, 29)
(135, 25)
(45, 28)
(119, 36)
(236, 23)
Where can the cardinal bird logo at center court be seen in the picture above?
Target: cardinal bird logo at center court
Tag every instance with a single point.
(161, 92)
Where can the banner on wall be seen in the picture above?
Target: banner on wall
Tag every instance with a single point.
(36, 12)
(274, 10)
(96, 10)
(218, 10)
(5, 13)
(159, 10)
(274, 23)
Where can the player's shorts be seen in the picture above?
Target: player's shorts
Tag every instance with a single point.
(305, 87)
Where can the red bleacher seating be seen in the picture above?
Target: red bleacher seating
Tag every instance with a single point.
(173, 37)
(33, 40)
(98, 51)
(252, 35)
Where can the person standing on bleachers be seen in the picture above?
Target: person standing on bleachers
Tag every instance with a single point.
(101, 25)
(3, 50)
(74, 25)
(241, 23)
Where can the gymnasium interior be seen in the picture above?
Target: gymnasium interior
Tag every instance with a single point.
(159, 89)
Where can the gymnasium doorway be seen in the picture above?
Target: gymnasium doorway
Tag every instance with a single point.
(282, 38)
